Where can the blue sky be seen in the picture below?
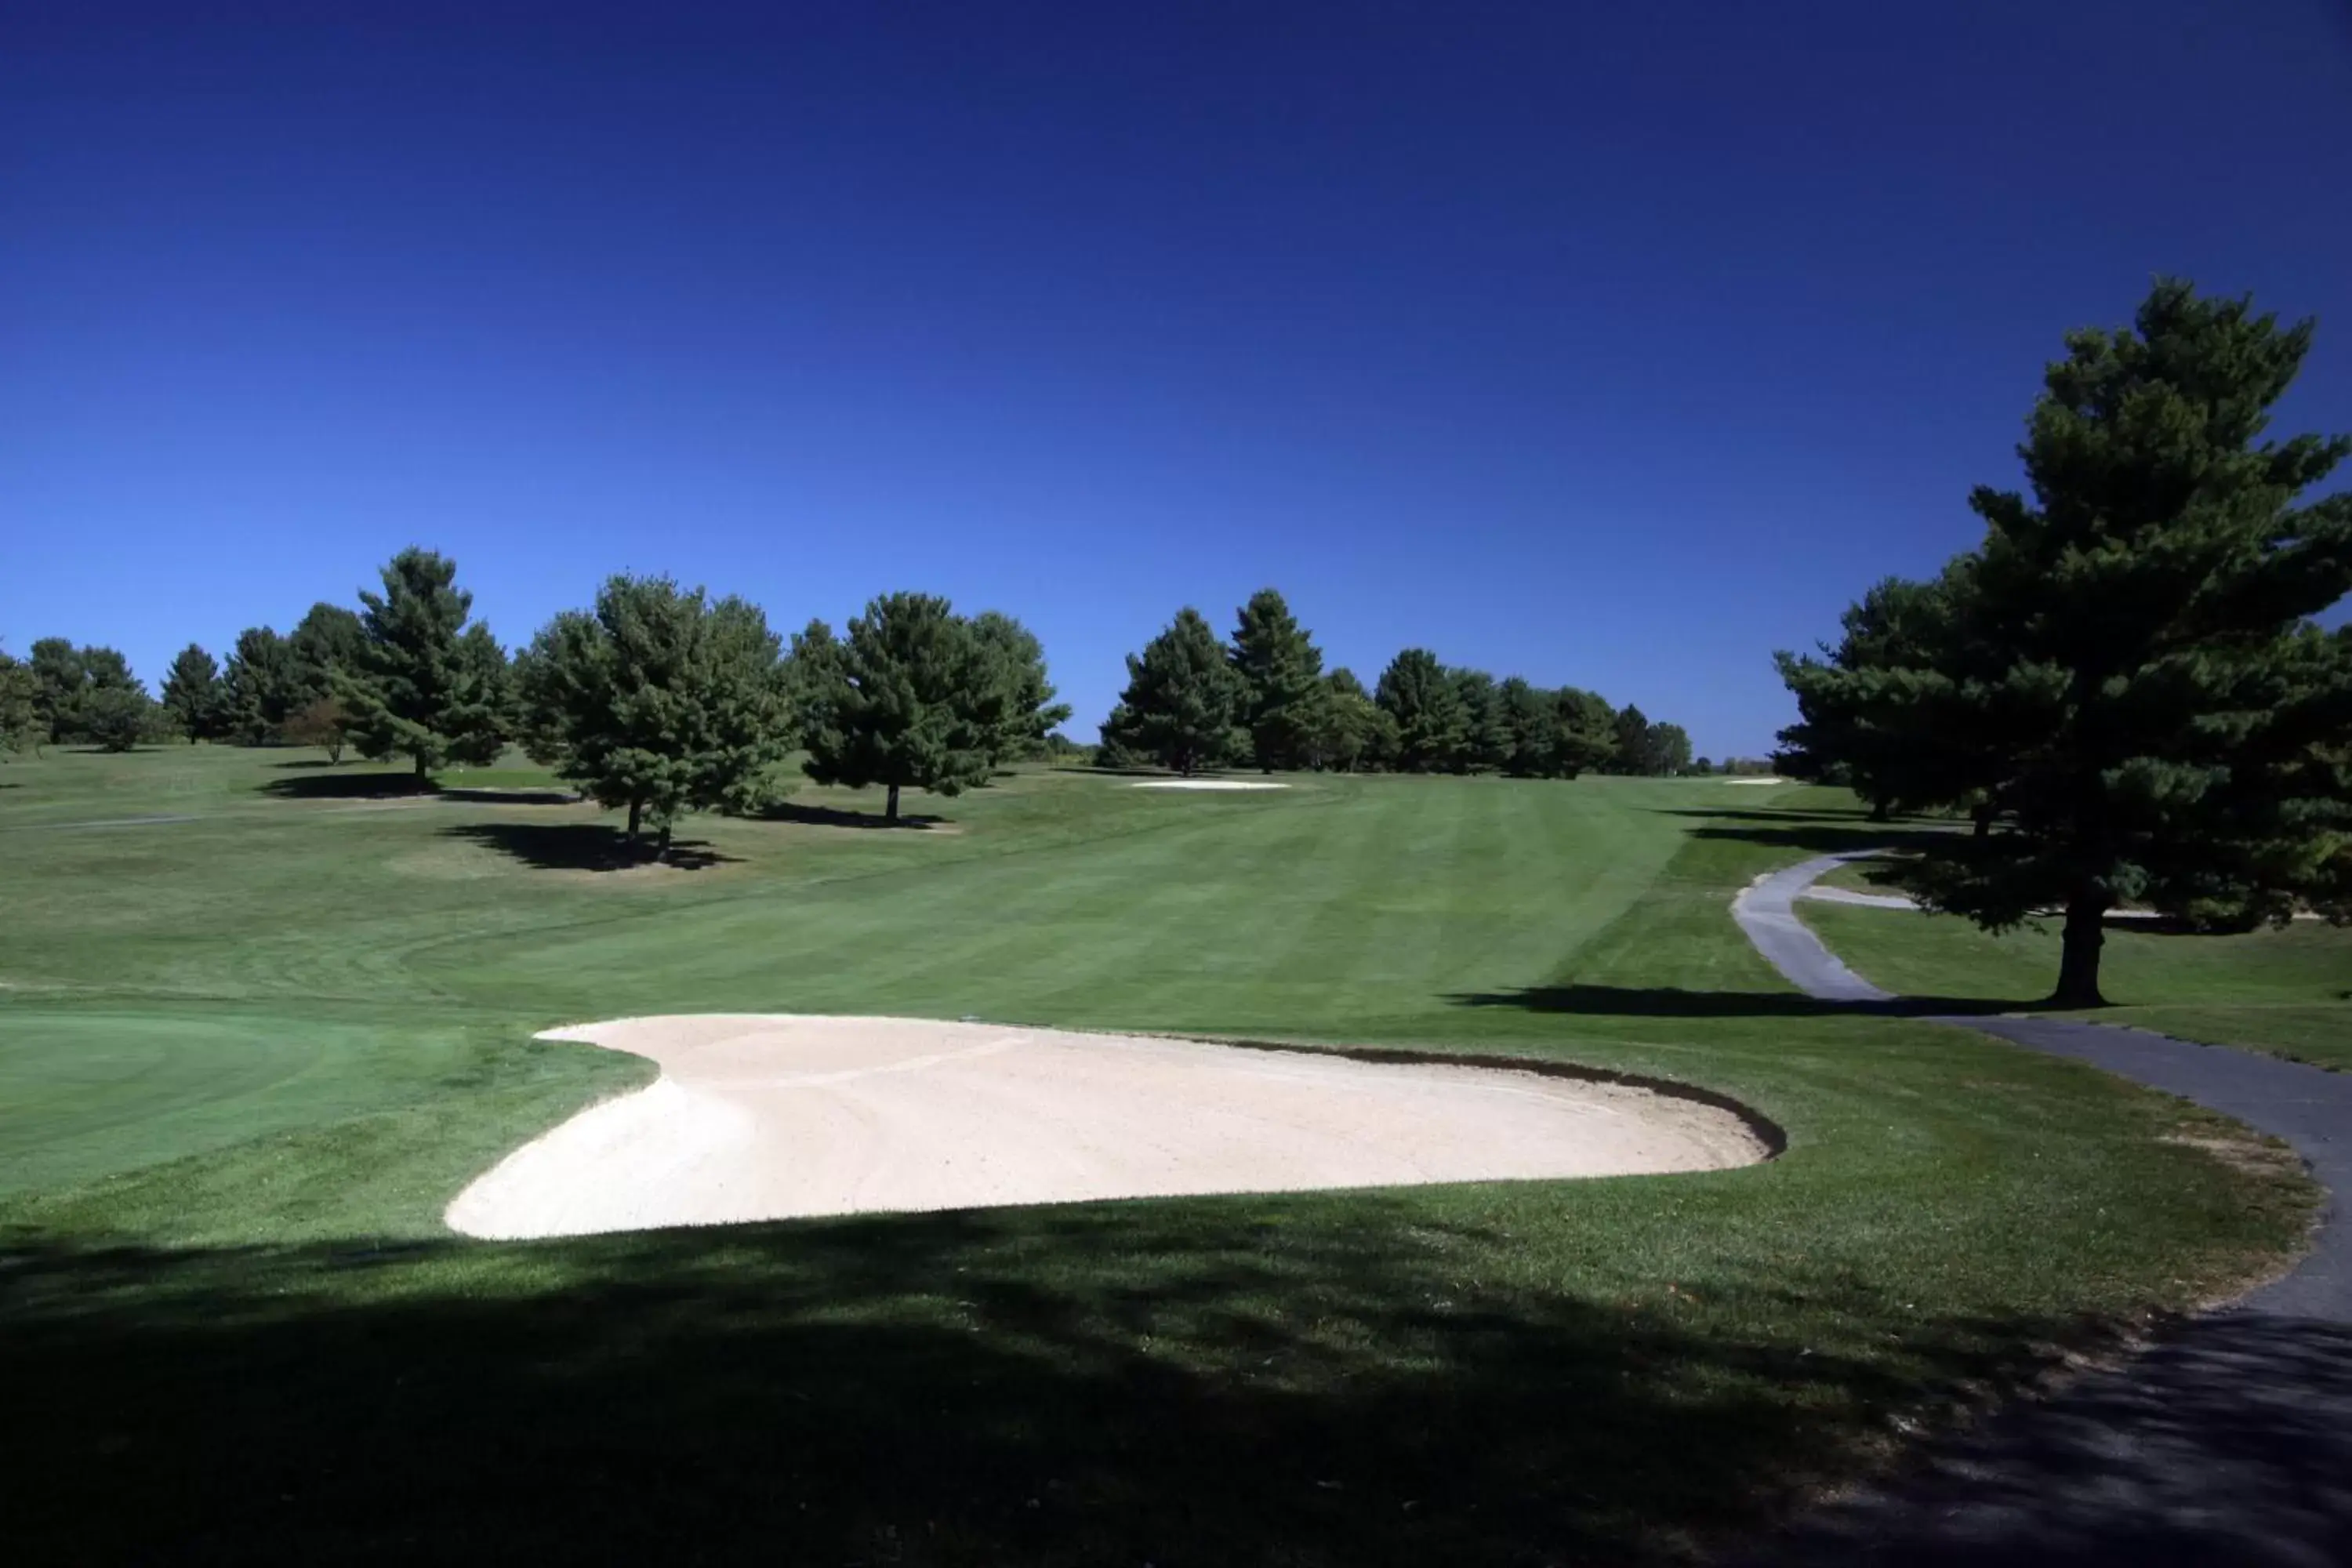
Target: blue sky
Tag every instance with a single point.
(1607, 345)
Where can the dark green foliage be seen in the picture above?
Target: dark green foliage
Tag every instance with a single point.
(1485, 743)
(1346, 729)
(657, 702)
(20, 722)
(1645, 749)
(58, 680)
(911, 697)
(1584, 733)
(325, 648)
(427, 686)
(260, 689)
(1839, 737)
(1030, 713)
(67, 681)
(1419, 695)
(116, 718)
(2122, 684)
(193, 696)
(1281, 670)
(1183, 703)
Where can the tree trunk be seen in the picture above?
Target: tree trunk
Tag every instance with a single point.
(2078, 962)
(661, 845)
(422, 771)
(1880, 813)
(636, 814)
(890, 811)
(1984, 822)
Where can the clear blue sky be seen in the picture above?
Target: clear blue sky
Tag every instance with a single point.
(1614, 345)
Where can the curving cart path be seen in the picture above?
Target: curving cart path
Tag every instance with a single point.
(2229, 1442)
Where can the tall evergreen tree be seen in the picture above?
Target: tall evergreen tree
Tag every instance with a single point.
(1183, 703)
(1029, 709)
(2125, 676)
(193, 695)
(325, 648)
(259, 690)
(1584, 733)
(656, 701)
(1418, 694)
(59, 679)
(1281, 670)
(1485, 738)
(910, 697)
(426, 687)
(1636, 749)
(18, 717)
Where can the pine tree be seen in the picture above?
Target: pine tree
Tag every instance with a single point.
(1281, 670)
(427, 686)
(1584, 731)
(19, 715)
(910, 697)
(1030, 711)
(1485, 738)
(260, 690)
(193, 695)
(1184, 702)
(325, 648)
(657, 702)
(2123, 684)
(1418, 694)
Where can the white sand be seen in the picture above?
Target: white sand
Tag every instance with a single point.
(1209, 783)
(768, 1116)
(1758, 781)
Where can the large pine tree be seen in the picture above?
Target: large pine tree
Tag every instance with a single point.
(428, 686)
(1184, 702)
(1282, 674)
(193, 694)
(656, 701)
(1418, 693)
(2123, 683)
(910, 697)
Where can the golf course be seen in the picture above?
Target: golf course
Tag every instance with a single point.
(263, 1019)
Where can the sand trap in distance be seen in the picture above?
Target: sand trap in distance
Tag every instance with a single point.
(1209, 783)
(777, 1116)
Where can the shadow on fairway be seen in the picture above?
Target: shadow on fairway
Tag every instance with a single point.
(1825, 836)
(583, 846)
(307, 763)
(832, 816)
(334, 785)
(1666, 1001)
(1221, 1381)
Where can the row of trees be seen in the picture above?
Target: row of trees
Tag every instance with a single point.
(657, 701)
(2122, 686)
(1264, 699)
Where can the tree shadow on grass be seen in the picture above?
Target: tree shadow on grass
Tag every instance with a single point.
(583, 846)
(1820, 836)
(1668, 1002)
(307, 763)
(1304, 1381)
(832, 816)
(459, 792)
(350, 786)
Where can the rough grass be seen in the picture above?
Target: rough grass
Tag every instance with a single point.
(245, 1059)
(2288, 991)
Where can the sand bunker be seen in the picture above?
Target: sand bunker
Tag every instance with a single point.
(770, 1117)
(1210, 784)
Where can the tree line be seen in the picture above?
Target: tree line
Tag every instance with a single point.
(1263, 698)
(2122, 688)
(655, 701)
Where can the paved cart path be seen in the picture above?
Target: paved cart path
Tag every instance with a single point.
(2229, 1442)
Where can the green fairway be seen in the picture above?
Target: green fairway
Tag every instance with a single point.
(246, 1056)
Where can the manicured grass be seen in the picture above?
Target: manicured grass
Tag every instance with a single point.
(246, 1058)
(2288, 991)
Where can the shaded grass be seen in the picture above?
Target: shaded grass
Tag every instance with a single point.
(2286, 991)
